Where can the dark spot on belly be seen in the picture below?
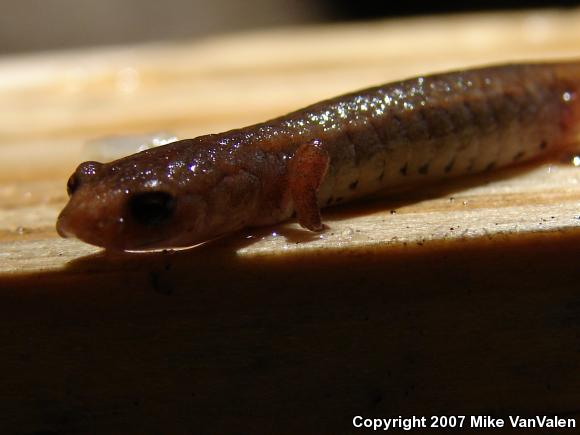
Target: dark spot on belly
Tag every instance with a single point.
(449, 166)
(353, 185)
(490, 166)
(518, 156)
(423, 170)
(543, 145)
(329, 201)
(339, 199)
(470, 166)
(403, 170)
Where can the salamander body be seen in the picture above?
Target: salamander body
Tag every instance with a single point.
(375, 140)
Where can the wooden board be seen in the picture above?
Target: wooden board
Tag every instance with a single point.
(461, 298)
(52, 104)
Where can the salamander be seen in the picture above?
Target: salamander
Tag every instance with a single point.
(407, 133)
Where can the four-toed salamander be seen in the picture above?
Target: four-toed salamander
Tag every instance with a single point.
(405, 133)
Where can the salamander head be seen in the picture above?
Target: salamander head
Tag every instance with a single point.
(159, 198)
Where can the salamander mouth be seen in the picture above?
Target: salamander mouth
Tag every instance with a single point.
(64, 226)
(86, 220)
(62, 229)
(69, 225)
(108, 232)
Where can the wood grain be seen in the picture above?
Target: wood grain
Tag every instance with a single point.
(52, 104)
(459, 298)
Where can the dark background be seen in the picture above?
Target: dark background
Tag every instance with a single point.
(364, 9)
(32, 25)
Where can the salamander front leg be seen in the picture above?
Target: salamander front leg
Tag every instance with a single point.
(306, 172)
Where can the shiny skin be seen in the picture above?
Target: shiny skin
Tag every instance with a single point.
(405, 133)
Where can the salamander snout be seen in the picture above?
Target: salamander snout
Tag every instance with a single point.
(118, 218)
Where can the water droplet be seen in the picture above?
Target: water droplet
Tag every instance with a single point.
(347, 232)
(465, 202)
(21, 230)
(566, 96)
(107, 148)
(151, 183)
(576, 161)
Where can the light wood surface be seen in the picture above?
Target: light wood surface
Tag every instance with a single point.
(51, 104)
(457, 299)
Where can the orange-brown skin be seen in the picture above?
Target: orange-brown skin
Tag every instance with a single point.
(306, 170)
(406, 133)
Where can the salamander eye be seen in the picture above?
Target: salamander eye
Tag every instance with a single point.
(84, 172)
(152, 208)
(72, 184)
